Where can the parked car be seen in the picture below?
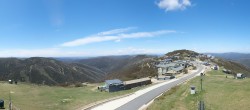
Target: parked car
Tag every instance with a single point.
(172, 77)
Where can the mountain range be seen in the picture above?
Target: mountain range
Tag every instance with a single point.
(47, 71)
(123, 67)
(56, 71)
(242, 58)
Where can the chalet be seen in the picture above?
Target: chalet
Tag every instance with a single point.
(178, 69)
(118, 85)
(137, 82)
(164, 67)
(112, 85)
(226, 71)
(172, 68)
(216, 67)
(170, 73)
(240, 76)
(168, 60)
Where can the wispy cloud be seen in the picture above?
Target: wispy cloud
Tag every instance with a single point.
(170, 5)
(133, 50)
(59, 52)
(45, 52)
(114, 35)
(116, 31)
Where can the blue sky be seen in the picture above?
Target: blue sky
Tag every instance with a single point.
(59, 28)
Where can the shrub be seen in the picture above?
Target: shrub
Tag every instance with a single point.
(78, 84)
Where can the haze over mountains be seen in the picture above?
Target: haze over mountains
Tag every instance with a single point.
(243, 58)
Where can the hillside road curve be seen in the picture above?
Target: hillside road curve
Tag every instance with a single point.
(142, 97)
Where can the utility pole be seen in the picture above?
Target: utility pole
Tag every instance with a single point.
(201, 105)
(201, 80)
(10, 104)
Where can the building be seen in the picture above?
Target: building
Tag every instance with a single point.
(168, 60)
(226, 71)
(172, 68)
(240, 76)
(178, 69)
(137, 82)
(118, 85)
(112, 85)
(216, 67)
(170, 73)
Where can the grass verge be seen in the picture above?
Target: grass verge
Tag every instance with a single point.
(34, 97)
(219, 93)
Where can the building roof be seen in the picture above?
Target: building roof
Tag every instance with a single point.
(239, 73)
(168, 60)
(136, 80)
(165, 65)
(171, 72)
(114, 81)
(177, 68)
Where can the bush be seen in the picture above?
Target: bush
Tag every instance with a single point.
(78, 84)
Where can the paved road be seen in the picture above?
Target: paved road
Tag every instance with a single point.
(138, 102)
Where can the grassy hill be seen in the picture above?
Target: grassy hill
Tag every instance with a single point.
(233, 66)
(48, 71)
(242, 58)
(33, 97)
(136, 70)
(123, 67)
(182, 53)
(220, 93)
(107, 63)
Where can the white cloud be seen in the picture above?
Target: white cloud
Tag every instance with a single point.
(46, 52)
(29, 52)
(170, 5)
(114, 35)
(60, 52)
(132, 51)
(116, 31)
(88, 40)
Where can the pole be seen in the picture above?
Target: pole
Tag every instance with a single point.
(201, 80)
(201, 84)
(10, 104)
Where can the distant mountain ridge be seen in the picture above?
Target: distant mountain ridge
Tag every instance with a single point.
(52, 71)
(46, 70)
(242, 58)
(124, 67)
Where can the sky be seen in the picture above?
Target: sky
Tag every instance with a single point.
(79, 28)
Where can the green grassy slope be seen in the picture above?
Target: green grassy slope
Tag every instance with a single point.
(220, 93)
(33, 97)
